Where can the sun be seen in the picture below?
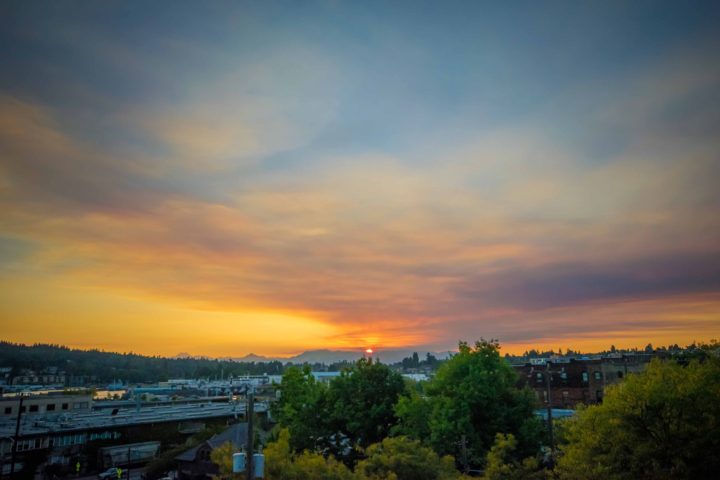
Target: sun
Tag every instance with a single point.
(369, 351)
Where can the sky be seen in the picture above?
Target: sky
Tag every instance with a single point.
(220, 178)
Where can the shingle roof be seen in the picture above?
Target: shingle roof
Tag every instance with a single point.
(231, 434)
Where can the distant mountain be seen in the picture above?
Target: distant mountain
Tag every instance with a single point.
(332, 356)
(326, 356)
(312, 356)
(251, 357)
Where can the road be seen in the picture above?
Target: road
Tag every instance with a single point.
(135, 474)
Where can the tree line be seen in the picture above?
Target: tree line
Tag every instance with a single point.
(98, 366)
(104, 367)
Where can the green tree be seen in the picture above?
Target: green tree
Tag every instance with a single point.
(357, 408)
(501, 463)
(222, 456)
(282, 463)
(361, 402)
(401, 458)
(301, 407)
(413, 412)
(661, 424)
(473, 396)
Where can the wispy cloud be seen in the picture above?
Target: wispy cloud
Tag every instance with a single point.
(271, 184)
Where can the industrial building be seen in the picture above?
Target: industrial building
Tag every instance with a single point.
(77, 435)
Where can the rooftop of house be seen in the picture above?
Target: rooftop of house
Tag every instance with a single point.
(235, 434)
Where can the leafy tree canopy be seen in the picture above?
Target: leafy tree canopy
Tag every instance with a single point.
(397, 458)
(301, 407)
(223, 458)
(404, 459)
(355, 410)
(361, 402)
(282, 463)
(473, 397)
(502, 465)
(661, 424)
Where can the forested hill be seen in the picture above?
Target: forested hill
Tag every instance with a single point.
(105, 367)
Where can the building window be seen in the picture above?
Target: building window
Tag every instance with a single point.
(620, 374)
(50, 407)
(8, 410)
(31, 444)
(65, 406)
(585, 377)
(34, 408)
(22, 409)
(598, 376)
(539, 377)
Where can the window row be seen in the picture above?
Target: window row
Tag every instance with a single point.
(50, 407)
(539, 377)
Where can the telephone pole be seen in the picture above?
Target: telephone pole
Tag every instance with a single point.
(249, 468)
(17, 436)
(549, 404)
(463, 450)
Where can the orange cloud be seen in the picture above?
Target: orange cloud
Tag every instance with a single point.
(507, 235)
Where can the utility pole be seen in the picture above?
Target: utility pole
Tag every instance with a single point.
(463, 450)
(549, 404)
(249, 468)
(17, 436)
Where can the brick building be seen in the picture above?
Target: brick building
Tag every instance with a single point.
(577, 380)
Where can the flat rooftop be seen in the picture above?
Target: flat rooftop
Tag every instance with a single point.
(104, 419)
